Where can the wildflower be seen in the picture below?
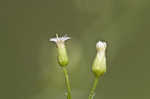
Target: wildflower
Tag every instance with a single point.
(62, 54)
(99, 64)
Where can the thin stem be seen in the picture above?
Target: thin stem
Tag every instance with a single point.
(67, 83)
(92, 92)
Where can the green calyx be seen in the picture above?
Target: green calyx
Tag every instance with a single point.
(62, 56)
(99, 64)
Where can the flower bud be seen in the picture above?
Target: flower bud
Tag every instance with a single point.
(99, 64)
(62, 53)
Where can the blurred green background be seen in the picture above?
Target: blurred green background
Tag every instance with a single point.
(29, 68)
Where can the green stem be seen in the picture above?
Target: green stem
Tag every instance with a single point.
(92, 92)
(67, 83)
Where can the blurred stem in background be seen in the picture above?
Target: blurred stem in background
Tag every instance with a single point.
(67, 83)
(92, 92)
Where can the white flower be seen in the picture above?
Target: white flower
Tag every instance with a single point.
(62, 53)
(99, 64)
(100, 45)
(59, 39)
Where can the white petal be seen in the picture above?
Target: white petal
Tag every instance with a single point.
(65, 38)
(53, 39)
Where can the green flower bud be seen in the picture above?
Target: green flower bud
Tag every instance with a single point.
(99, 64)
(62, 53)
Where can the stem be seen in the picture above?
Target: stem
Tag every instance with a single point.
(67, 83)
(92, 92)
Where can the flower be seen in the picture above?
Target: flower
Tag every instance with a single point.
(59, 39)
(101, 45)
(99, 64)
(62, 54)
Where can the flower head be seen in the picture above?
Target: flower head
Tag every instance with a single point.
(101, 45)
(59, 39)
(62, 53)
(99, 64)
